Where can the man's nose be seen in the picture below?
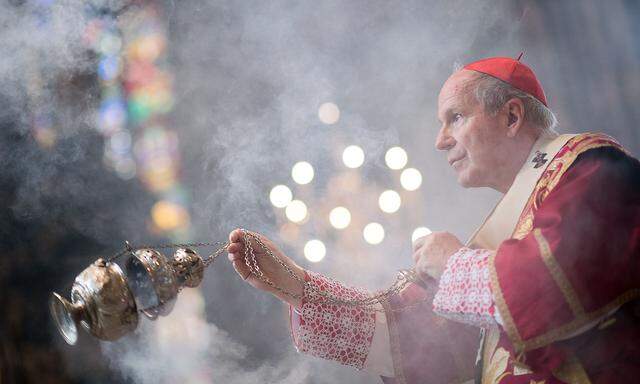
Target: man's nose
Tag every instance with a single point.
(444, 141)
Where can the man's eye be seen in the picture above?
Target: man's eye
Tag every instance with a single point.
(456, 117)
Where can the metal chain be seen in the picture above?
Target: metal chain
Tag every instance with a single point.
(206, 261)
(402, 280)
(373, 302)
(128, 248)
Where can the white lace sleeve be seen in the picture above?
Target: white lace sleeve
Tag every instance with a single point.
(334, 332)
(464, 293)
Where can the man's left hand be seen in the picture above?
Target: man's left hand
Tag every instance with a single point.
(431, 252)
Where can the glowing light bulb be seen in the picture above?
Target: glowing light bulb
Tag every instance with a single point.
(280, 196)
(302, 172)
(296, 211)
(353, 156)
(396, 158)
(329, 113)
(419, 232)
(411, 179)
(340, 217)
(314, 250)
(373, 233)
(389, 201)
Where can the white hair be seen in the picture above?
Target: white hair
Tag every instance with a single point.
(493, 93)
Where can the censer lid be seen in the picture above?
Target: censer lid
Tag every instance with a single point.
(62, 312)
(152, 281)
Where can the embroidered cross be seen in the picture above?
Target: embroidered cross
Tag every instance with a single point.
(539, 159)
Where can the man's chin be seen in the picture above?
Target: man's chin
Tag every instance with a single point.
(467, 182)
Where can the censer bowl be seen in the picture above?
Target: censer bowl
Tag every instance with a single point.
(101, 302)
(105, 297)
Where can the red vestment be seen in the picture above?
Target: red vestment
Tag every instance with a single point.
(573, 261)
(559, 297)
(427, 348)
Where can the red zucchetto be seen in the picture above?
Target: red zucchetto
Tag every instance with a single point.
(513, 72)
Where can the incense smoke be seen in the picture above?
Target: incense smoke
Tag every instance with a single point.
(248, 94)
(248, 79)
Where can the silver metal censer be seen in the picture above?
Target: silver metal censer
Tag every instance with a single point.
(108, 295)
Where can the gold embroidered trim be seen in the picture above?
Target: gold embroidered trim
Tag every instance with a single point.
(579, 322)
(394, 341)
(525, 226)
(571, 156)
(546, 183)
(509, 324)
(551, 176)
(497, 369)
(488, 350)
(558, 275)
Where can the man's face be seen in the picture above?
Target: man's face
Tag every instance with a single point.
(471, 137)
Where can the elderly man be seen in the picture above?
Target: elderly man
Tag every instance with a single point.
(550, 280)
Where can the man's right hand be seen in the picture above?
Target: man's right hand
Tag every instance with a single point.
(269, 267)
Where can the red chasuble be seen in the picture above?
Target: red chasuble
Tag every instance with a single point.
(566, 284)
(425, 347)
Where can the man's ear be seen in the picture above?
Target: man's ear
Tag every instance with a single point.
(514, 108)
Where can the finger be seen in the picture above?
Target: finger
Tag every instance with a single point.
(241, 269)
(255, 240)
(425, 277)
(418, 243)
(415, 256)
(427, 271)
(235, 235)
(239, 236)
(235, 256)
(420, 271)
(423, 271)
(235, 248)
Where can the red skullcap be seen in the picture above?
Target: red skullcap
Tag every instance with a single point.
(513, 72)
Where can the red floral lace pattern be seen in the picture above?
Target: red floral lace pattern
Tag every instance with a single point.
(464, 293)
(330, 331)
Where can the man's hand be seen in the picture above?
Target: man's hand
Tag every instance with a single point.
(431, 252)
(269, 267)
